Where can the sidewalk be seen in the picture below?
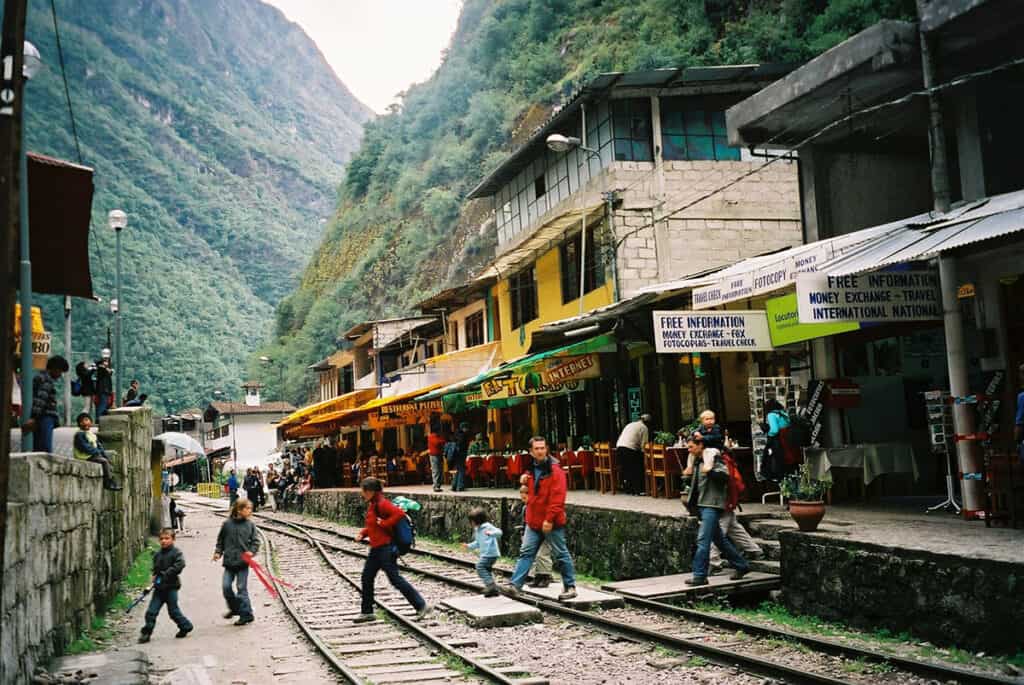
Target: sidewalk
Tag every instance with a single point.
(270, 650)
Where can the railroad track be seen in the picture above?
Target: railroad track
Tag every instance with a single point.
(677, 623)
(389, 651)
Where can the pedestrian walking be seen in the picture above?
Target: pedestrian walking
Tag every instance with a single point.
(232, 487)
(629, 453)
(87, 447)
(708, 484)
(237, 542)
(435, 450)
(545, 519)
(381, 518)
(485, 543)
(168, 563)
(43, 415)
(542, 565)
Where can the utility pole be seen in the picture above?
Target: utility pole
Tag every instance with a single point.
(964, 423)
(12, 40)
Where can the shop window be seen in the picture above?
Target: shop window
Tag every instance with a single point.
(631, 123)
(346, 381)
(475, 329)
(453, 335)
(694, 134)
(523, 297)
(569, 253)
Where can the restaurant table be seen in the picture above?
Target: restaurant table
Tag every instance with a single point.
(473, 464)
(874, 459)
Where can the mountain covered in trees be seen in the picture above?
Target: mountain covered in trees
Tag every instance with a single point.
(403, 230)
(220, 129)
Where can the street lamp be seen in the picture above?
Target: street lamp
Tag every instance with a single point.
(30, 67)
(561, 143)
(117, 220)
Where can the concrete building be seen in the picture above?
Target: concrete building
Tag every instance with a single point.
(244, 433)
(658, 145)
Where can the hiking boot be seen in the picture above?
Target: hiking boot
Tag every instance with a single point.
(739, 573)
(183, 632)
(244, 620)
(491, 591)
(695, 581)
(540, 581)
(424, 612)
(143, 638)
(511, 590)
(365, 618)
(570, 593)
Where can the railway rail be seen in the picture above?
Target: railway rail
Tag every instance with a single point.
(618, 622)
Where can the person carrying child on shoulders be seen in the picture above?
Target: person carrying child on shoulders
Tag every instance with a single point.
(485, 542)
(237, 542)
(168, 563)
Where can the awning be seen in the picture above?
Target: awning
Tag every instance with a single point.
(59, 211)
(346, 401)
(385, 401)
(331, 417)
(178, 461)
(929, 235)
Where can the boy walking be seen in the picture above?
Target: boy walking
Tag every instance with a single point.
(237, 542)
(168, 563)
(485, 542)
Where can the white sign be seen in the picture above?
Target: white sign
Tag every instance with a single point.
(764, 279)
(876, 296)
(691, 331)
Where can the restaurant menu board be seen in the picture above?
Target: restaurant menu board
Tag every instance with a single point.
(761, 389)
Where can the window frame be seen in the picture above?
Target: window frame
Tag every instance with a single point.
(474, 326)
(632, 110)
(711, 125)
(594, 272)
(522, 292)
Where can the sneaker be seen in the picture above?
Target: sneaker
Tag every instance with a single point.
(183, 632)
(714, 569)
(491, 591)
(739, 573)
(695, 581)
(365, 618)
(143, 638)
(424, 612)
(540, 581)
(244, 620)
(437, 489)
(570, 593)
(511, 590)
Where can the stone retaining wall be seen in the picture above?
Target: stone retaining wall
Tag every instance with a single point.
(604, 542)
(70, 542)
(974, 603)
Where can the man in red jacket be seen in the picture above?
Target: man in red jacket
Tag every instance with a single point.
(381, 518)
(545, 519)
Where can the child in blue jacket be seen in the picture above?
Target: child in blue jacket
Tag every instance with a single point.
(485, 541)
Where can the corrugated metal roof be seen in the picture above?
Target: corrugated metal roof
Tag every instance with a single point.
(929, 235)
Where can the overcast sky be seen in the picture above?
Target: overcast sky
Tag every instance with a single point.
(377, 47)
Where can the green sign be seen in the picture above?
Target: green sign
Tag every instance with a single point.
(785, 328)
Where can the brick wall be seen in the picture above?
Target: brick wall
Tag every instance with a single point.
(70, 542)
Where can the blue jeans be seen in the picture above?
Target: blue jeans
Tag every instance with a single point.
(459, 479)
(238, 602)
(483, 569)
(42, 440)
(170, 598)
(385, 558)
(711, 532)
(102, 405)
(437, 470)
(559, 553)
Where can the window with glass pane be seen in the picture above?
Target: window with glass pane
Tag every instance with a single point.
(631, 127)
(523, 297)
(569, 253)
(475, 329)
(688, 133)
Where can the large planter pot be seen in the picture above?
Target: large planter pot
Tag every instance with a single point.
(807, 514)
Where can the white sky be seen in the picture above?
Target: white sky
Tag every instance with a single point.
(377, 47)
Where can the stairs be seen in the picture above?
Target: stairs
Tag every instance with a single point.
(764, 528)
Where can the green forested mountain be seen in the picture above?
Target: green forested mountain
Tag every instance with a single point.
(402, 230)
(221, 130)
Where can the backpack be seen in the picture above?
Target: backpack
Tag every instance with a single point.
(735, 486)
(404, 535)
(800, 431)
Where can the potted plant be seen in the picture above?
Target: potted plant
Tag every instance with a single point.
(805, 494)
(664, 438)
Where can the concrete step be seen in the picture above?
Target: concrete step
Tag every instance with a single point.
(771, 566)
(772, 549)
(768, 529)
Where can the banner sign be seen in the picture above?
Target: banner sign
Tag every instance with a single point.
(412, 407)
(559, 375)
(689, 331)
(41, 346)
(876, 296)
(786, 329)
(765, 279)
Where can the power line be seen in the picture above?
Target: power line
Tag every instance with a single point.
(64, 75)
(958, 81)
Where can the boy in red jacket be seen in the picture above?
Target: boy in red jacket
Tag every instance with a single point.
(381, 518)
(545, 519)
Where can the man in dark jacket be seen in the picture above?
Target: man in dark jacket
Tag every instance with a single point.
(44, 417)
(545, 519)
(168, 563)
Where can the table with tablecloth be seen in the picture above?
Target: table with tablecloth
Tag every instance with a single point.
(874, 459)
(473, 464)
